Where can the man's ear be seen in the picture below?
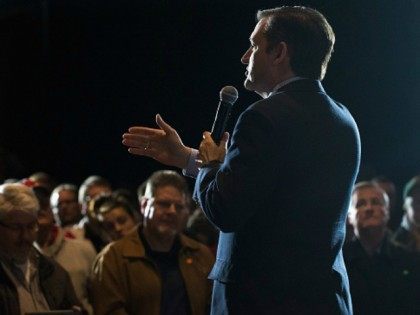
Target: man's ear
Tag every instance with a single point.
(406, 203)
(281, 53)
(143, 205)
(351, 217)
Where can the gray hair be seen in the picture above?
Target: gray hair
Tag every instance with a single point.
(17, 197)
(93, 180)
(370, 184)
(68, 187)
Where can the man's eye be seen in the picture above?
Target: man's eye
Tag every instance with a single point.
(360, 204)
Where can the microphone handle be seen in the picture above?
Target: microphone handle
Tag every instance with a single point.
(219, 124)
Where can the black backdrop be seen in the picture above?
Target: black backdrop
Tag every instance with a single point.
(76, 73)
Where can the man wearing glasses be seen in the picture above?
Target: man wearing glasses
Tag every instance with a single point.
(155, 269)
(29, 281)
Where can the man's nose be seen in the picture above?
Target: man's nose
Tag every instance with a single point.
(368, 209)
(245, 57)
(26, 235)
(118, 227)
(171, 209)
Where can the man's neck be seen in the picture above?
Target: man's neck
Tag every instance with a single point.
(371, 239)
(44, 236)
(159, 243)
(284, 81)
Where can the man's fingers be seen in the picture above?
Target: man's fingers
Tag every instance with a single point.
(135, 139)
(224, 140)
(163, 125)
(149, 152)
(144, 131)
(206, 135)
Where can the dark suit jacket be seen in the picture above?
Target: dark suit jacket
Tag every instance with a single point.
(280, 200)
(386, 283)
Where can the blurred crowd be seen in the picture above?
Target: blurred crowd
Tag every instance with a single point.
(96, 249)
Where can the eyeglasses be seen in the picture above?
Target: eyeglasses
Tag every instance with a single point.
(66, 203)
(31, 227)
(166, 204)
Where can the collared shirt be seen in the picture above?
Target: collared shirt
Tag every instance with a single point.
(283, 83)
(25, 277)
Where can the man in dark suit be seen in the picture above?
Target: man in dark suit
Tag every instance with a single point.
(384, 276)
(280, 193)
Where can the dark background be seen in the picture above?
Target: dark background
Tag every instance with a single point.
(74, 75)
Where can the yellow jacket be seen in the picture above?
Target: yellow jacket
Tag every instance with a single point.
(126, 281)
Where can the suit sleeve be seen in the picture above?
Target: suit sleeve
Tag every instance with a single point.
(230, 193)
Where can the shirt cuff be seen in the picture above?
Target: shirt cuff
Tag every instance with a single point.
(192, 169)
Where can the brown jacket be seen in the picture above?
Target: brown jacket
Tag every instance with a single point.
(126, 281)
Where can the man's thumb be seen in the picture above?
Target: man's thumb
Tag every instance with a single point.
(162, 124)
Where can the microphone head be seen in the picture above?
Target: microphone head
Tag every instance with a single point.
(229, 94)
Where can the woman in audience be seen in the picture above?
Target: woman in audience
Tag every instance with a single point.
(118, 218)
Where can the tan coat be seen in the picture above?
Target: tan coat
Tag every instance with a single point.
(125, 281)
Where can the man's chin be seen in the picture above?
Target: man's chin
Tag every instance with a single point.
(167, 230)
(248, 85)
(373, 226)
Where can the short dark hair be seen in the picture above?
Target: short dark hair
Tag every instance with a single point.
(108, 203)
(308, 35)
(166, 178)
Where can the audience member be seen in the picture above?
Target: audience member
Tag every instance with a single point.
(128, 197)
(43, 179)
(29, 281)
(408, 234)
(200, 229)
(395, 212)
(155, 269)
(65, 204)
(75, 256)
(117, 217)
(92, 188)
(384, 277)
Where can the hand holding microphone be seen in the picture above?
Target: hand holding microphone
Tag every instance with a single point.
(228, 96)
(213, 146)
(165, 145)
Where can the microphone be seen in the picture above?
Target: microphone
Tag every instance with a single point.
(228, 96)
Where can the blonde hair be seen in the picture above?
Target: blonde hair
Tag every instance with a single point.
(17, 197)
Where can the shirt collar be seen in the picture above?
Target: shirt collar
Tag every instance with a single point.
(283, 83)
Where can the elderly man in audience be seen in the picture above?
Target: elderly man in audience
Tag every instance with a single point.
(91, 189)
(65, 204)
(155, 270)
(75, 256)
(395, 211)
(29, 281)
(384, 277)
(408, 234)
